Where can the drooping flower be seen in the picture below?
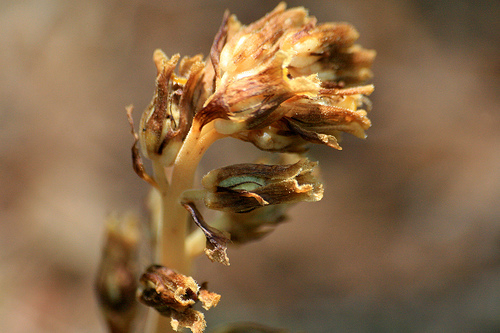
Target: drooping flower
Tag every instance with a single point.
(322, 119)
(242, 188)
(173, 295)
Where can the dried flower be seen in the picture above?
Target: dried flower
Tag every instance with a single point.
(282, 71)
(243, 187)
(173, 295)
(167, 120)
(320, 120)
(253, 198)
(324, 118)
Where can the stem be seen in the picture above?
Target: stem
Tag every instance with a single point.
(157, 217)
(175, 217)
(174, 226)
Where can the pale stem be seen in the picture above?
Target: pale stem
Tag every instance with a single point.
(154, 202)
(157, 217)
(174, 216)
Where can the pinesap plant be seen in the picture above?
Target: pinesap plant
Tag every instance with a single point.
(281, 83)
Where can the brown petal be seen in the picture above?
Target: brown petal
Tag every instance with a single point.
(137, 163)
(167, 120)
(158, 123)
(275, 138)
(216, 244)
(243, 187)
(173, 295)
(320, 120)
(249, 102)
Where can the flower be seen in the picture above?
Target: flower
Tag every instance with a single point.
(166, 121)
(173, 295)
(242, 188)
(279, 81)
(324, 118)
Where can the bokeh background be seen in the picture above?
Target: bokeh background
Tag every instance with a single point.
(406, 239)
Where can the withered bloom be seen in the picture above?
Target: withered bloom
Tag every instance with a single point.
(241, 188)
(324, 118)
(320, 120)
(271, 73)
(174, 295)
(168, 118)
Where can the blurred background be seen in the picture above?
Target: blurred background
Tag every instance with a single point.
(406, 239)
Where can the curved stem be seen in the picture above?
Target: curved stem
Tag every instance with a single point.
(174, 226)
(175, 217)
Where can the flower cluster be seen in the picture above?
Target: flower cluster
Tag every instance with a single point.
(280, 83)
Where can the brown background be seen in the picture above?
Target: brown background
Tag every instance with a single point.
(405, 240)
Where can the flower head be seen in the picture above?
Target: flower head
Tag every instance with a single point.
(280, 78)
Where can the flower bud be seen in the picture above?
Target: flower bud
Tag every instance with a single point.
(241, 188)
